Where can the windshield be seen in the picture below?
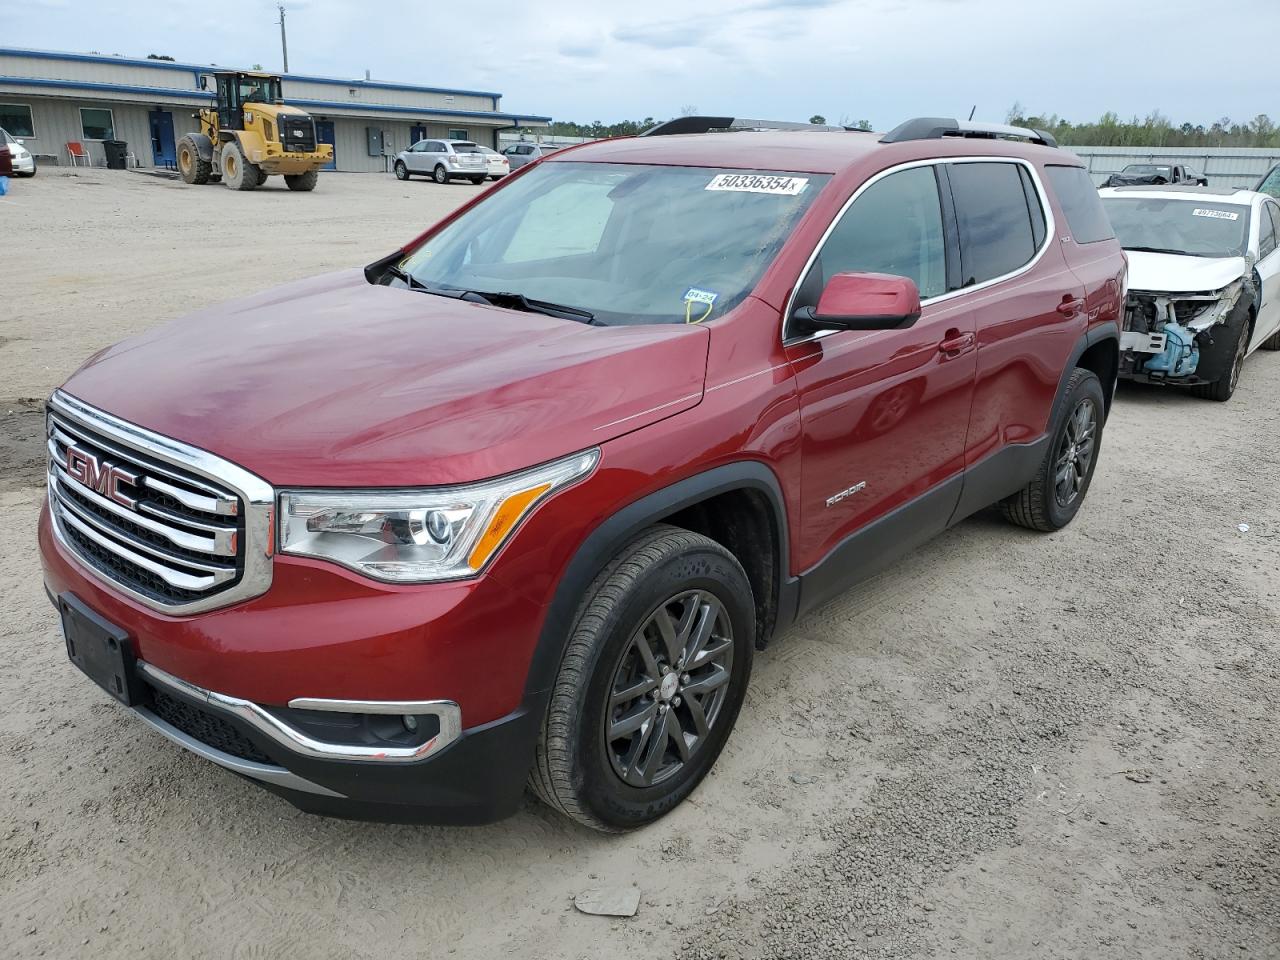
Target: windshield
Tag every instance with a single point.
(628, 243)
(1148, 170)
(1193, 226)
(259, 90)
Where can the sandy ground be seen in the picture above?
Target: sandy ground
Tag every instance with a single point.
(1009, 745)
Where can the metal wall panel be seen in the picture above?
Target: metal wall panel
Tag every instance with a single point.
(1222, 166)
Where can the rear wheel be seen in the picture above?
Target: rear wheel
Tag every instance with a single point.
(651, 682)
(190, 165)
(262, 176)
(440, 174)
(1053, 497)
(302, 181)
(402, 172)
(237, 172)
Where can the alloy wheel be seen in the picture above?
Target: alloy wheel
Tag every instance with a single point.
(1075, 452)
(668, 688)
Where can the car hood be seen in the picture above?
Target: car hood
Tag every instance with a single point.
(332, 382)
(1173, 273)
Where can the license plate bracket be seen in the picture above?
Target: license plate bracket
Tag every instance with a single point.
(100, 649)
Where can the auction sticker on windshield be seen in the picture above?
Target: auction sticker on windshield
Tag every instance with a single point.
(758, 183)
(1215, 214)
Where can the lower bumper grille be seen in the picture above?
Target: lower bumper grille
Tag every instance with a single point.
(210, 729)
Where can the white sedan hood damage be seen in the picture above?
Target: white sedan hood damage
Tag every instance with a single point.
(1176, 273)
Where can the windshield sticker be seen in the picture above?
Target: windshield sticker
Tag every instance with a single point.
(1215, 214)
(706, 298)
(758, 183)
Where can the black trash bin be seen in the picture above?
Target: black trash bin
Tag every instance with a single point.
(117, 152)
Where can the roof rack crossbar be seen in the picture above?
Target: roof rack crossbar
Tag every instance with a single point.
(708, 124)
(934, 128)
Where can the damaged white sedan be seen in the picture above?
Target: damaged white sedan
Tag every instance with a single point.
(1204, 283)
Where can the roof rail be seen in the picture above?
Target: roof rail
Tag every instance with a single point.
(934, 128)
(708, 124)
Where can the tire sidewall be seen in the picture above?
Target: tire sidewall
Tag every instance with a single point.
(440, 175)
(608, 798)
(402, 172)
(1087, 386)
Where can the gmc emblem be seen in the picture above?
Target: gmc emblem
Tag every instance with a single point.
(100, 476)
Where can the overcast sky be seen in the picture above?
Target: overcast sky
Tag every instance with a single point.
(584, 60)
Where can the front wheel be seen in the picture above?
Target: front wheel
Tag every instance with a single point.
(651, 682)
(1222, 361)
(1053, 497)
(402, 172)
(440, 175)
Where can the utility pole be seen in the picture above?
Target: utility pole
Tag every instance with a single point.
(284, 46)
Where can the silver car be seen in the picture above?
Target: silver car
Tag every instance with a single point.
(519, 154)
(442, 161)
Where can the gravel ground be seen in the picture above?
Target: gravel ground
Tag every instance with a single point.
(1008, 745)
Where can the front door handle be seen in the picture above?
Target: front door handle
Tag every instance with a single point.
(956, 343)
(1070, 305)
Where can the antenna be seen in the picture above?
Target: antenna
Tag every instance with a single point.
(284, 46)
(971, 112)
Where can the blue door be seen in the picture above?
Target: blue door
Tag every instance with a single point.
(324, 133)
(164, 152)
(417, 132)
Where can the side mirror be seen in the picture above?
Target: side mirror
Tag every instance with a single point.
(19, 140)
(864, 301)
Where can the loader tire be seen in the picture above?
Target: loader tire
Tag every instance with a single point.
(191, 166)
(262, 176)
(237, 172)
(303, 181)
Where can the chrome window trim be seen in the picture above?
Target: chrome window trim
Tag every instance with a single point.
(257, 495)
(1050, 230)
(295, 741)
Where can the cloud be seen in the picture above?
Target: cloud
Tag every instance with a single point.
(664, 36)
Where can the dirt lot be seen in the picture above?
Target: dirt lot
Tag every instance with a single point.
(1009, 745)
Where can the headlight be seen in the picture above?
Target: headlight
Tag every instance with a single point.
(414, 536)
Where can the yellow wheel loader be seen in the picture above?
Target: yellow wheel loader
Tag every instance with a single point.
(251, 134)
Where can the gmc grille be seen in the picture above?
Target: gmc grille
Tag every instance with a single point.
(172, 537)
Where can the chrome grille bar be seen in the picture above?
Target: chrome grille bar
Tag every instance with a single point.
(173, 526)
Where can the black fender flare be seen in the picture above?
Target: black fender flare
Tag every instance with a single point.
(1107, 330)
(610, 536)
(203, 145)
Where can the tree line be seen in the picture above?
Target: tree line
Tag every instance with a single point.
(1153, 130)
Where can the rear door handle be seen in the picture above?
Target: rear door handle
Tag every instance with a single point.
(956, 343)
(1070, 305)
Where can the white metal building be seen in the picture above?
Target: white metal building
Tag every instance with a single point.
(51, 99)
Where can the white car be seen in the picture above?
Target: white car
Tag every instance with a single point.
(499, 166)
(442, 161)
(24, 164)
(1204, 283)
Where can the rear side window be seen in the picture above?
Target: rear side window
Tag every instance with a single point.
(994, 220)
(1081, 204)
(894, 227)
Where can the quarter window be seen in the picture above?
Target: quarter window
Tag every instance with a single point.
(993, 218)
(16, 118)
(894, 227)
(97, 124)
(1080, 203)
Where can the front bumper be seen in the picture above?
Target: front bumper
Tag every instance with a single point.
(24, 165)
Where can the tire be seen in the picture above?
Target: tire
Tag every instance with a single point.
(478, 180)
(302, 181)
(192, 167)
(665, 575)
(1222, 361)
(440, 174)
(237, 172)
(1054, 495)
(402, 172)
(262, 176)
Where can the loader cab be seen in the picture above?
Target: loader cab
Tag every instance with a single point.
(238, 90)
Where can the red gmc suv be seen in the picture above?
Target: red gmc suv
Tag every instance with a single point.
(516, 504)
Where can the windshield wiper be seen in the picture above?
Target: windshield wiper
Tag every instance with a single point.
(407, 278)
(518, 301)
(1178, 253)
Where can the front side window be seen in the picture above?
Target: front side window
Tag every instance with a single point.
(1273, 211)
(420, 147)
(16, 118)
(894, 227)
(1080, 203)
(1194, 227)
(994, 220)
(629, 243)
(1266, 232)
(96, 124)
(1270, 183)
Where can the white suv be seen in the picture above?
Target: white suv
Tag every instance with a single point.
(443, 160)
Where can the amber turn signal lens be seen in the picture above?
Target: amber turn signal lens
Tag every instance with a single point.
(504, 521)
